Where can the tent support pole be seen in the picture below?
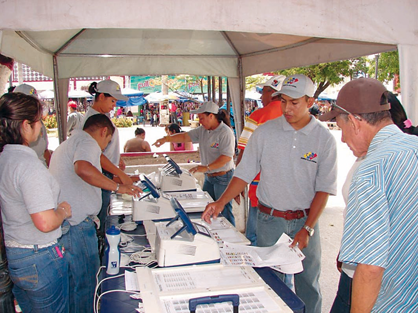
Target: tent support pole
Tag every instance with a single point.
(61, 132)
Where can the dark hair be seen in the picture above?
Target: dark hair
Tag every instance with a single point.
(222, 116)
(97, 121)
(399, 115)
(174, 128)
(14, 109)
(139, 131)
(93, 91)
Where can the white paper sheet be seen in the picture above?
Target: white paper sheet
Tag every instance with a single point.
(286, 259)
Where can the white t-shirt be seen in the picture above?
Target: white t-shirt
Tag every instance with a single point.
(41, 144)
(112, 151)
(26, 187)
(85, 199)
(349, 269)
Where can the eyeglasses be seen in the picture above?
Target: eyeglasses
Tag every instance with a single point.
(333, 105)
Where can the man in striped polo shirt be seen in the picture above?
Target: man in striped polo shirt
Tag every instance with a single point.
(380, 230)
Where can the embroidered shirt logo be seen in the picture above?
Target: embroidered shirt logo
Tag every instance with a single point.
(310, 156)
(214, 145)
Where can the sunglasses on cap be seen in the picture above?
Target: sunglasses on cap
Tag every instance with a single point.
(334, 105)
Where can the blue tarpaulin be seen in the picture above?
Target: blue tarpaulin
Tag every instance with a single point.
(135, 99)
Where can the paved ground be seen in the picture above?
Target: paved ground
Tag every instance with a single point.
(331, 221)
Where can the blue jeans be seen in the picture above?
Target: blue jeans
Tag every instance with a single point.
(216, 186)
(269, 230)
(251, 228)
(80, 243)
(40, 278)
(105, 205)
(342, 302)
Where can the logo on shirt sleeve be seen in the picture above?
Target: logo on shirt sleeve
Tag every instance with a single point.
(310, 156)
(214, 145)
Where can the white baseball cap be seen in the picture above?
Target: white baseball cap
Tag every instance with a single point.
(297, 86)
(112, 88)
(27, 90)
(275, 82)
(207, 107)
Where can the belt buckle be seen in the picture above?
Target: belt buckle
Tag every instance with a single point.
(299, 214)
(287, 215)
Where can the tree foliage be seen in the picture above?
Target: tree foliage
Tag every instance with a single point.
(330, 74)
(388, 66)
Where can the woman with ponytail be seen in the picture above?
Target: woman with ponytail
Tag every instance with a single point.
(106, 93)
(216, 146)
(31, 216)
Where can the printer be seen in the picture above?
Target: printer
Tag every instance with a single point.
(173, 178)
(151, 206)
(182, 242)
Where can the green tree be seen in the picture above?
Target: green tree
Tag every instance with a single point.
(388, 66)
(330, 74)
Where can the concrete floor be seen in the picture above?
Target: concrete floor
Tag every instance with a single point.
(331, 221)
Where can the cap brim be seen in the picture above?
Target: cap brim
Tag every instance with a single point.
(120, 97)
(328, 116)
(291, 93)
(196, 111)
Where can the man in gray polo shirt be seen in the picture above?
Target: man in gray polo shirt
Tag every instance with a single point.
(296, 156)
(75, 164)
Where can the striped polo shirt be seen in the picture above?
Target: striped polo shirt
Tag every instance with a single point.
(381, 226)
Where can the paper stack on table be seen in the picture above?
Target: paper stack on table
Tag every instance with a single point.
(279, 256)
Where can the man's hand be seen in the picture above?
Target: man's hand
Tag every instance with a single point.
(122, 165)
(199, 168)
(301, 239)
(212, 210)
(130, 190)
(160, 142)
(339, 264)
(125, 179)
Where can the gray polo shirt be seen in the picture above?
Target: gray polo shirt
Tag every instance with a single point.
(112, 151)
(294, 164)
(26, 187)
(213, 144)
(84, 198)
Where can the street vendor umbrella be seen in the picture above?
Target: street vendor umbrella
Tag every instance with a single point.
(47, 94)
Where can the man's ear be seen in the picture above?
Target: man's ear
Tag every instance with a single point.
(311, 101)
(355, 123)
(103, 132)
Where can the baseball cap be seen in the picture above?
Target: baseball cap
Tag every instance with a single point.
(27, 90)
(72, 104)
(275, 82)
(207, 107)
(296, 86)
(112, 88)
(362, 95)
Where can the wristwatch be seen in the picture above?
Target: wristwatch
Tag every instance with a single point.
(310, 230)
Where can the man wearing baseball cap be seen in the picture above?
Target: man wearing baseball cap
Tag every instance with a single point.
(41, 144)
(74, 118)
(380, 228)
(272, 109)
(297, 158)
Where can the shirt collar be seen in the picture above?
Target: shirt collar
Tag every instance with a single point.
(20, 148)
(305, 130)
(382, 135)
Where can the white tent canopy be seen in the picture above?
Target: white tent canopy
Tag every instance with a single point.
(233, 38)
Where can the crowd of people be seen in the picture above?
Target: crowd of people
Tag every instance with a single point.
(54, 207)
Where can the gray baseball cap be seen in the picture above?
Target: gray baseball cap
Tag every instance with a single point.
(112, 88)
(207, 107)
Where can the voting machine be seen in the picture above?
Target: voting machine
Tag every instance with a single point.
(151, 206)
(182, 242)
(173, 178)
